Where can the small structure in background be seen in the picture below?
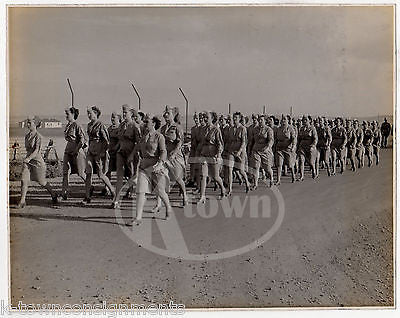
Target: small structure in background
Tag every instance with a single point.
(50, 123)
(15, 148)
(50, 154)
(44, 123)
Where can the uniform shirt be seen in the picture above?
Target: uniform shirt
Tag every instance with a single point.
(237, 139)
(194, 140)
(200, 135)
(74, 136)
(286, 138)
(351, 137)
(324, 136)
(308, 136)
(98, 138)
(263, 138)
(173, 135)
(367, 141)
(225, 131)
(211, 143)
(359, 136)
(33, 141)
(151, 148)
(376, 138)
(128, 136)
(339, 136)
(113, 133)
(250, 136)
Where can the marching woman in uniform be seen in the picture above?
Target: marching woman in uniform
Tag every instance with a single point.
(128, 136)
(324, 145)
(225, 131)
(34, 167)
(192, 153)
(286, 139)
(236, 151)
(210, 148)
(307, 149)
(376, 140)
(351, 144)
(152, 172)
(174, 138)
(261, 151)
(359, 143)
(74, 161)
(367, 142)
(250, 133)
(200, 134)
(339, 141)
(113, 147)
(97, 158)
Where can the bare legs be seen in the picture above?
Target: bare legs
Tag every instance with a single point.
(65, 183)
(240, 171)
(279, 169)
(101, 175)
(215, 175)
(161, 196)
(352, 158)
(302, 160)
(120, 178)
(25, 183)
(341, 162)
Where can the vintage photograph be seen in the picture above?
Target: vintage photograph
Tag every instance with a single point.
(201, 156)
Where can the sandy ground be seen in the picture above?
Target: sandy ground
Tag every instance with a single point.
(333, 248)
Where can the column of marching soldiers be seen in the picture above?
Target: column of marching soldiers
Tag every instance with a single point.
(148, 152)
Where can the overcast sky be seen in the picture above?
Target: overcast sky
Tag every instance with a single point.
(320, 60)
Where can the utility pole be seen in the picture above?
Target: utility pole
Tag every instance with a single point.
(186, 109)
(72, 92)
(137, 94)
(229, 108)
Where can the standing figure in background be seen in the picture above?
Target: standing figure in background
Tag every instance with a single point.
(34, 167)
(97, 158)
(15, 147)
(385, 131)
(74, 161)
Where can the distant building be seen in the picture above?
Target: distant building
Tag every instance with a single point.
(44, 123)
(51, 123)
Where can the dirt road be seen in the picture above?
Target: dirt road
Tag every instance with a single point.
(333, 248)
